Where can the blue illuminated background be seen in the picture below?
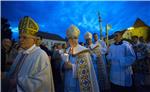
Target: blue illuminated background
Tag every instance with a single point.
(56, 16)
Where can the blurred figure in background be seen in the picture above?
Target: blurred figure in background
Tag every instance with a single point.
(56, 69)
(64, 47)
(43, 47)
(5, 51)
(140, 67)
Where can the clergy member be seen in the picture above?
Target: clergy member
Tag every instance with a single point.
(99, 65)
(79, 71)
(103, 47)
(31, 71)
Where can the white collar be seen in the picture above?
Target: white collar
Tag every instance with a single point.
(29, 50)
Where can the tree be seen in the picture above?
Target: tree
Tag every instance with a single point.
(5, 29)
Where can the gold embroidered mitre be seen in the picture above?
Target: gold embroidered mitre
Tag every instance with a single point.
(72, 31)
(28, 25)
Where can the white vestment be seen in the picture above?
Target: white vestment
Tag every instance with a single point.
(121, 57)
(35, 74)
(99, 67)
(82, 77)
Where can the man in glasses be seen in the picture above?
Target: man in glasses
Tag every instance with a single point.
(78, 69)
(102, 45)
(121, 56)
(31, 70)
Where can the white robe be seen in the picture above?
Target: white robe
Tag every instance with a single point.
(35, 74)
(82, 77)
(94, 57)
(103, 49)
(99, 67)
(121, 57)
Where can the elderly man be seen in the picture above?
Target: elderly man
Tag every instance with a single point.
(31, 70)
(99, 65)
(79, 71)
(121, 56)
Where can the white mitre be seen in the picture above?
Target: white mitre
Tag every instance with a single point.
(72, 32)
(87, 35)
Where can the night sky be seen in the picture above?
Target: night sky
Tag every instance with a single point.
(56, 16)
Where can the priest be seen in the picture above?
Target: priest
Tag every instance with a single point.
(31, 70)
(98, 63)
(79, 71)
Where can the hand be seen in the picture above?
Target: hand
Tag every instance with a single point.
(68, 65)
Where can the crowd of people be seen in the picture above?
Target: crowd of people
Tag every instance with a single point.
(29, 66)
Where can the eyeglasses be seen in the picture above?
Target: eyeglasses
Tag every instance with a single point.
(72, 38)
(26, 37)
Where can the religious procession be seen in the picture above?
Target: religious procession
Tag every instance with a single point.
(113, 63)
